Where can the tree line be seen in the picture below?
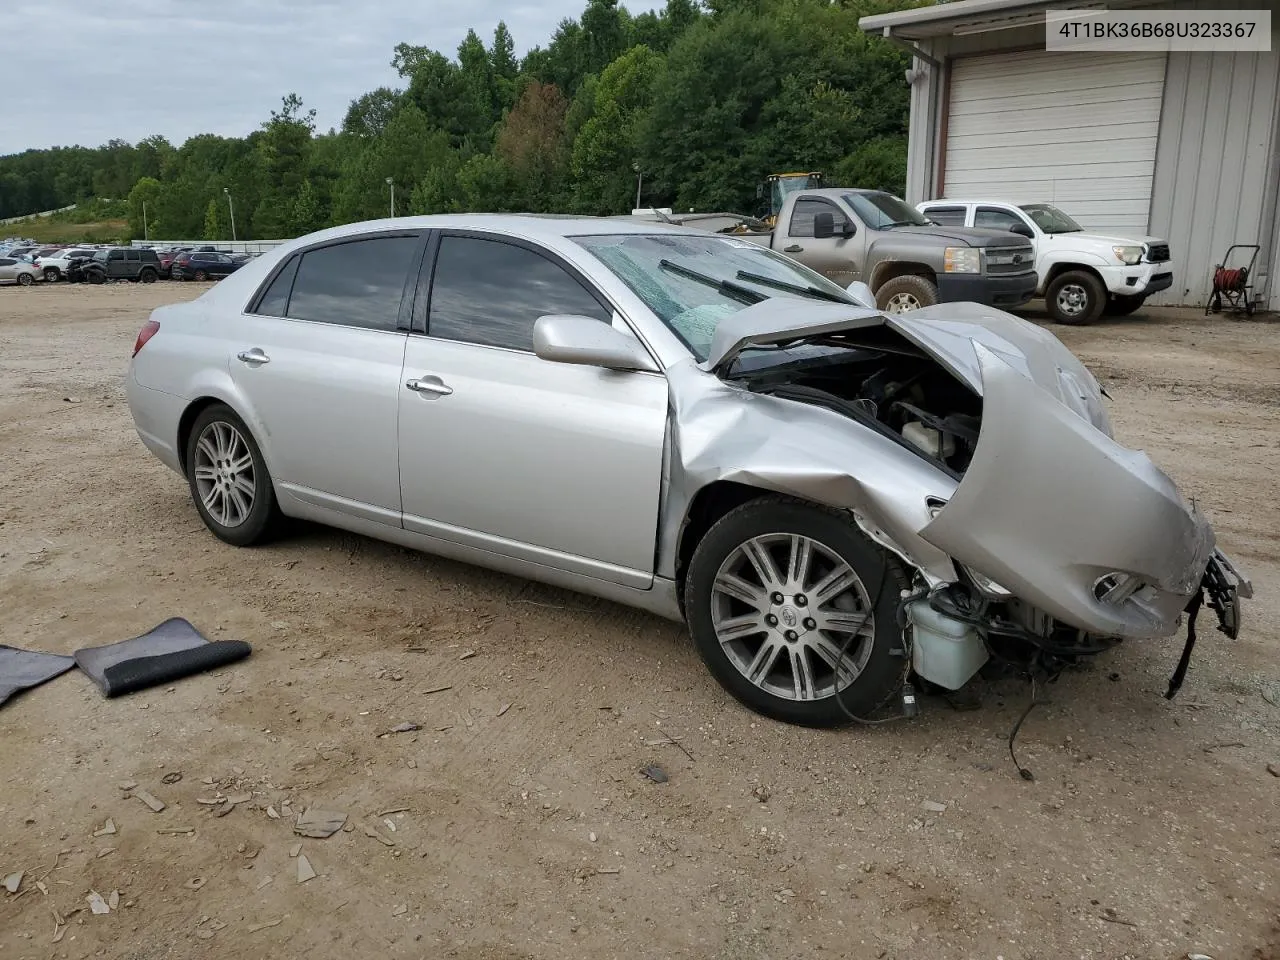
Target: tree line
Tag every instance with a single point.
(694, 103)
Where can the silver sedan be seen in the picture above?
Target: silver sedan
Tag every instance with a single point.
(831, 498)
(20, 270)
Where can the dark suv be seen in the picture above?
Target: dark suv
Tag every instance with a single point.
(123, 263)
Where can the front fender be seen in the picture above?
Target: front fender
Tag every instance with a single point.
(721, 432)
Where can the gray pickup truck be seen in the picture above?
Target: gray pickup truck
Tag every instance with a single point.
(907, 260)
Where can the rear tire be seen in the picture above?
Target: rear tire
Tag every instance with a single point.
(1122, 306)
(26, 279)
(201, 275)
(905, 293)
(52, 275)
(147, 276)
(780, 658)
(228, 478)
(1075, 298)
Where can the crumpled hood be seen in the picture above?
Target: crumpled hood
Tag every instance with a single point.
(947, 331)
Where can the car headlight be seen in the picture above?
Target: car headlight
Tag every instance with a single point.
(1127, 255)
(962, 260)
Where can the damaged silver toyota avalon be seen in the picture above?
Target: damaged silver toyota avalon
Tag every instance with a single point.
(832, 498)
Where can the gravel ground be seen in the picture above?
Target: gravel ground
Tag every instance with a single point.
(523, 828)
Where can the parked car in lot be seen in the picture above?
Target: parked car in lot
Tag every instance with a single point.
(874, 237)
(203, 265)
(829, 495)
(54, 266)
(1082, 275)
(122, 263)
(20, 270)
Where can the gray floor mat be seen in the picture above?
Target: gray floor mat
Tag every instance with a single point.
(24, 669)
(172, 650)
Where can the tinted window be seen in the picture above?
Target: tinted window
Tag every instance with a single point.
(275, 302)
(115, 255)
(947, 216)
(132, 255)
(806, 210)
(358, 284)
(490, 292)
(7, 262)
(994, 219)
(149, 256)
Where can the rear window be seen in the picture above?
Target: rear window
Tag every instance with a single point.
(359, 283)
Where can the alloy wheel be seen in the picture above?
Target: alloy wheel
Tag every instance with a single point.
(901, 303)
(792, 616)
(224, 474)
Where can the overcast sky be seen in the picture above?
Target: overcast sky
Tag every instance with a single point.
(85, 73)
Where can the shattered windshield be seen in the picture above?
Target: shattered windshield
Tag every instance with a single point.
(694, 282)
(1050, 219)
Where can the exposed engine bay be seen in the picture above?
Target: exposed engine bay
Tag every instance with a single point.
(875, 376)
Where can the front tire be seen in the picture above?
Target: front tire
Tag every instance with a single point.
(782, 594)
(1075, 298)
(52, 275)
(228, 478)
(1122, 306)
(906, 293)
(26, 279)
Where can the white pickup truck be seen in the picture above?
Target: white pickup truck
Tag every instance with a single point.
(1081, 274)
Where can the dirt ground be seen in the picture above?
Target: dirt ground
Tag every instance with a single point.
(524, 829)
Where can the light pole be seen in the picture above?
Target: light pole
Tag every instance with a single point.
(145, 235)
(639, 182)
(392, 184)
(231, 207)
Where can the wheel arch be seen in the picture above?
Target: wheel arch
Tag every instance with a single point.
(706, 507)
(888, 270)
(201, 403)
(1069, 266)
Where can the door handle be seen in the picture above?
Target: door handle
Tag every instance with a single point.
(253, 356)
(433, 386)
(794, 248)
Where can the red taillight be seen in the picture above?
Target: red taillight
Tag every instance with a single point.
(149, 330)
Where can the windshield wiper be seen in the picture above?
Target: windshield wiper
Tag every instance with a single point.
(790, 287)
(734, 291)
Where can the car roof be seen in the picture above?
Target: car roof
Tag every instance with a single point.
(532, 226)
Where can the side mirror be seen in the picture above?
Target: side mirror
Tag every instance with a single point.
(824, 226)
(847, 229)
(564, 338)
(1022, 230)
(862, 293)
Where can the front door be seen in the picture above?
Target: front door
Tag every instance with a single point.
(554, 463)
(998, 218)
(838, 258)
(117, 266)
(317, 362)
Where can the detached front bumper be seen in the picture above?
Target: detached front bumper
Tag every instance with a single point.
(1072, 523)
(1139, 280)
(990, 291)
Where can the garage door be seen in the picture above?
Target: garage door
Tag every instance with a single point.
(1074, 129)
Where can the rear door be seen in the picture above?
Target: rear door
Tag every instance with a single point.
(838, 258)
(553, 463)
(8, 270)
(317, 359)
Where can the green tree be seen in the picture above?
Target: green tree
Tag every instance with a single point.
(143, 207)
(306, 215)
(607, 148)
(213, 225)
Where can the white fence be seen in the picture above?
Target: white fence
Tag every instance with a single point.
(33, 216)
(232, 246)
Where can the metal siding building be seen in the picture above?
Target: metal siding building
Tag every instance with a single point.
(1179, 145)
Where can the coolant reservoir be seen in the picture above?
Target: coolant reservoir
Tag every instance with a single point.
(944, 650)
(933, 442)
